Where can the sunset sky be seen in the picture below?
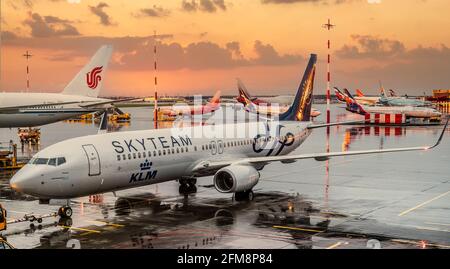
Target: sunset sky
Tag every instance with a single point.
(205, 44)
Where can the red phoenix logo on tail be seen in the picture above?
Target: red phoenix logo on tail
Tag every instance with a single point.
(94, 77)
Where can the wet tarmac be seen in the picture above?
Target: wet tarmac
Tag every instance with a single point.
(379, 201)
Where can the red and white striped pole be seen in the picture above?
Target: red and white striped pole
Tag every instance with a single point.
(328, 26)
(27, 55)
(155, 111)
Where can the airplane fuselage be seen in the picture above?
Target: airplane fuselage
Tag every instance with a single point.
(116, 161)
(44, 114)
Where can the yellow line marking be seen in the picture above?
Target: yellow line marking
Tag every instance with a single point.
(418, 243)
(422, 204)
(432, 229)
(440, 224)
(86, 233)
(297, 229)
(107, 223)
(80, 229)
(335, 245)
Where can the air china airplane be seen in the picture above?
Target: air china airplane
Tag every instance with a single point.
(109, 162)
(20, 109)
(274, 107)
(211, 106)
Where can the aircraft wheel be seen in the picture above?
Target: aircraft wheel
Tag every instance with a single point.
(192, 188)
(244, 196)
(65, 212)
(250, 195)
(192, 181)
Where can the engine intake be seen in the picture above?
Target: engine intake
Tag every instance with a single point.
(236, 178)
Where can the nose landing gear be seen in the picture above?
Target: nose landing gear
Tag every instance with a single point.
(187, 185)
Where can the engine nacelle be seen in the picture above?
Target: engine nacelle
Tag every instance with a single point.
(236, 178)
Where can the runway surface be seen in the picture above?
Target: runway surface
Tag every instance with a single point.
(396, 200)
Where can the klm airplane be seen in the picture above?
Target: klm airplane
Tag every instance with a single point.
(109, 162)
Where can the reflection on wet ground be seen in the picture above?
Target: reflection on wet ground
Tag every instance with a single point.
(389, 201)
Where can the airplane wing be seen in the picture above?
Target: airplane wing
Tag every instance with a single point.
(207, 167)
(108, 102)
(35, 106)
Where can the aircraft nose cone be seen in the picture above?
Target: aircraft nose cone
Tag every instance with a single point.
(20, 182)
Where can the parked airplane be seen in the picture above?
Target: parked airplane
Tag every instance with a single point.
(409, 111)
(392, 100)
(116, 161)
(275, 106)
(79, 97)
(211, 106)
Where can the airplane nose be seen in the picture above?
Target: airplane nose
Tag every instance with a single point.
(22, 181)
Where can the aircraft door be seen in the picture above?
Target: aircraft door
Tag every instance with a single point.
(93, 160)
(220, 146)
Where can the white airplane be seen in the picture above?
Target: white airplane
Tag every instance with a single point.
(272, 106)
(20, 109)
(409, 111)
(109, 162)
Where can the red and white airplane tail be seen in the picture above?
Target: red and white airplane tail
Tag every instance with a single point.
(359, 93)
(89, 81)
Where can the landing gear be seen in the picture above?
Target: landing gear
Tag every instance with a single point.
(187, 185)
(244, 196)
(65, 212)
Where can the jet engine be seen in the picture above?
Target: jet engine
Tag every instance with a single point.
(236, 178)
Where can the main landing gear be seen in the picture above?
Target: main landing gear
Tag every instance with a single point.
(65, 212)
(244, 196)
(187, 185)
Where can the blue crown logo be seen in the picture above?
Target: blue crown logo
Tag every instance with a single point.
(146, 165)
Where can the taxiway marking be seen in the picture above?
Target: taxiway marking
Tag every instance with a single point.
(335, 245)
(80, 229)
(297, 229)
(108, 223)
(422, 204)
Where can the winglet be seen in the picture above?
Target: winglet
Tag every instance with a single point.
(103, 129)
(440, 137)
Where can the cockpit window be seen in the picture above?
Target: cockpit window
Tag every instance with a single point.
(61, 160)
(40, 161)
(52, 162)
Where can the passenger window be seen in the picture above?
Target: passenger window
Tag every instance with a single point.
(203, 147)
(168, 152)
(159, 152)
(134, 155)
(187, 149)
(52, 162)
(182, 150)
(195, 148)
(154, 153)
(118, 157)
(139, 155)
(178, 150)
(129, 156)
(61, 160)
(173, 151)
(143, 154)
(124, 157)
(164, 152)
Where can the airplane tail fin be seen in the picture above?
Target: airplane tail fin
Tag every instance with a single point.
(353, 105)
(89, 81)
(215, 99)
(359, 93)
(244, 97)
(300, 110)
(392, 93)
(339, 95)
(348, 94)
